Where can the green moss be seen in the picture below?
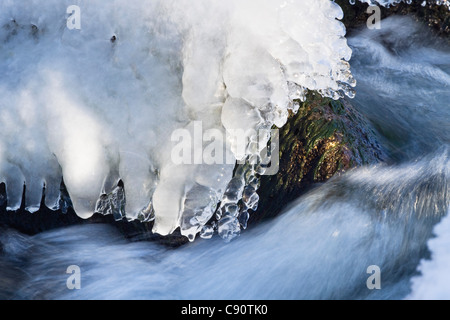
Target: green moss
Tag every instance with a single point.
(324, 138)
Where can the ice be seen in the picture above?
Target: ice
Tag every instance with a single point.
(113, 203)
(229, 228)
(138, 177)
(76, 138)
(199, 207)
(207, 232)
(244, 216)
(52, 186)
(234, 190)
(100, 104)
(240, 196)
(14, 181)
(250, 198)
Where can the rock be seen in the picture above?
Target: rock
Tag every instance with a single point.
(325, 138)
(138, 231)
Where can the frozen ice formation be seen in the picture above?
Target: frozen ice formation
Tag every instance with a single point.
(99, 105)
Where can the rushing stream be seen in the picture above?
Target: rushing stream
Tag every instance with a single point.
(322, 245)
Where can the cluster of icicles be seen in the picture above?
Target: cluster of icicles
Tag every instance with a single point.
(99, 106)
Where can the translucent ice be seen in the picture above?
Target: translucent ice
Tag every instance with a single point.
(99, 105)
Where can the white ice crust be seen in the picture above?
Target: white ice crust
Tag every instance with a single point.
(100, 104)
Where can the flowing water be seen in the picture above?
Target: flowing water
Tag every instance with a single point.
(323, 244)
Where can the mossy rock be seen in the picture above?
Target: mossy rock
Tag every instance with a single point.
(323, 139)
